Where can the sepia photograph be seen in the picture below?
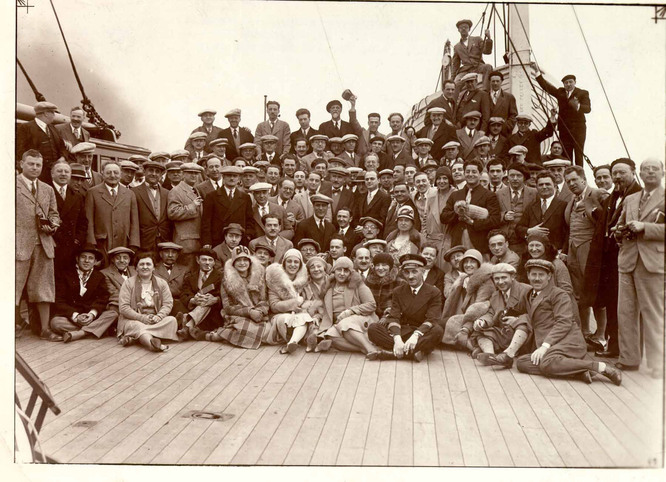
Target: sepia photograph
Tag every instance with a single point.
(272, 236)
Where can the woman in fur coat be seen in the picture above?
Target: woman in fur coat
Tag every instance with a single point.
(349, 308)
(469, 299)
(382, 280)
(285, 281)
(245, 305)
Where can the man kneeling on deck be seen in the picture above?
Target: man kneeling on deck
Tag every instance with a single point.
(411, 327)
(201, 295)
(561, 346)
(81, 299)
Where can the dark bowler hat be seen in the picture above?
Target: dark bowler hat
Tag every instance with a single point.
(207, 252)
(332, 103)
(89, 248)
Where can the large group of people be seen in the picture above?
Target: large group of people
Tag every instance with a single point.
(461, 235)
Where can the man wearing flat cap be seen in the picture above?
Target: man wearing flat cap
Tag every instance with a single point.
(173, 176)
(83, 154)
(318, 142)
(170, 270)
(335, 127)
(498, 141)
(219, 149)
(184, 209)
(472, 99)
(316, 227)
(502, 104)
(439, 132)
(531, 138)
(364, 135)
(561, 349)
(235, 134)
(40, 134)
(468, 54)
(469, 133)
(263, 206)
(127, 171)
(197, 147)
(412, 329)
(72, 132)
(207, 127)
(274, 127)
(151, 198)
(573, 104)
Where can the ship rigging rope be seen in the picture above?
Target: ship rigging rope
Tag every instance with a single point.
(600, 81)
(529, 78)
(330, 49)
(38, 95)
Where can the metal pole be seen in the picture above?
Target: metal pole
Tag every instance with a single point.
(265, 100)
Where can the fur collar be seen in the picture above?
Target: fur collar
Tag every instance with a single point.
(278, 280)
(414, 236)
(479, 277)
(355, 280)
(238, 287)
(374, 280)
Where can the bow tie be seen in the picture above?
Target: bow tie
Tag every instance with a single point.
(337, 190)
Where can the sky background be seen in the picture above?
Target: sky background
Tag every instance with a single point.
(150, 66)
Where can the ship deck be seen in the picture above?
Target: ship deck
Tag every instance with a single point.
(130, 406)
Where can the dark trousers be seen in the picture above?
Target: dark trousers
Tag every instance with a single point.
(381, 337)
(556, 365)
(608, 292)
(573, 141)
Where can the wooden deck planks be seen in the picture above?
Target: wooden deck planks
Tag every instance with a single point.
(376, 451)
(425, 436)
(401, 448)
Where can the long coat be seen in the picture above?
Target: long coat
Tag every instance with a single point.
(358, 298)
(28, 234)
(185, 215)
(233, 148)
(444, 134)
(154, 227)
(567, 113)
(220, 211)
(112, 223)
(73, 228)
(506, 108)
(51, 146)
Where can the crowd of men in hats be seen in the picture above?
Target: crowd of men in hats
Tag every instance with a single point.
(461, 234)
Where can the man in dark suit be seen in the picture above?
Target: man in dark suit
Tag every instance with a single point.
(81, 298)
(305, 132)
(498, 142)
(401, 198)
(83, 154)
(513, 200)
(212, 131)
(375, 203)
(468, 53)
(473, 100)
(224, 206)
(213, 182)
(432, 274)
(502, 104)
(573, 104)
(341, 195)
(73, 132)
(272, 239)
(152, 199)
(316, 227)
(345, 225)
(458, 218)
(439, 132)
(412, 327)
(560, 345)
(172, 272)
(71, 206)
(545, 215)
(364, 135)
(201, 297)
(235, 135)
(262, 206)
(469, 134)
(40, 134)
(446, 101)
(400, 152)
(335, 127)
(601, 271)
(531, 138)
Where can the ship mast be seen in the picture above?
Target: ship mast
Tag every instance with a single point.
(520, 54)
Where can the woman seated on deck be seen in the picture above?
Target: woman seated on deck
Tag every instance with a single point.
(313, 295)
(405, 239)
(244, 303)
(382, 280)
(144, 303)
(285, 282)
(349, 308)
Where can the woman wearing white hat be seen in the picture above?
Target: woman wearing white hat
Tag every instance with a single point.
(405, 239)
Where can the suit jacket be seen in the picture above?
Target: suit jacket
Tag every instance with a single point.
(476, 100)
(391, 220)
(357, 161)
(567, 113)
(504, 197)
(28, 233)
(350, 239)
(191, 287)
(273, 208)
(280, 129)
(153, 227)
(565, 193)
(448, 105)
(444, 134)
(305, 163)
(421, 311)
(532, 139)
(74, 224)
(68, 298)
(377, 209)
(593, 212)
(174, 279)
(297, 135)
(436, 278)
(497, 304)
(114, 280)
(363, 145)
(506, 109)
(308, 229)
(114, 221)
(184, 213)
(292, 206)
(478, 231)
(281, 246)
(328, 129)
(210, 136)
(553, 219)
(500, 149)
(244, 135)
(345, 199)
(30, 136)
(467, 143)
(95, 180)
(220, 211)
(403, 158)
(467, 59)
(65, 131)
(305, 205)
(649, 244)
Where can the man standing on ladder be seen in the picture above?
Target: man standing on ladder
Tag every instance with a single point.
(573, 104)
(468, 55)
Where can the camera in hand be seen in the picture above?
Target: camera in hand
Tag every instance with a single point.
(625, 232)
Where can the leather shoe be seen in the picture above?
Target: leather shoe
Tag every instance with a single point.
(626, 368)
(197, 333)
(501, 359)
(418, 356)
(595, 346)
(311, 343)
(613, 374)
(586, 376)
(606, 353)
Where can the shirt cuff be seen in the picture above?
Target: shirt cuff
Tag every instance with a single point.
(93, 312)
(74, 315)
(545, 345)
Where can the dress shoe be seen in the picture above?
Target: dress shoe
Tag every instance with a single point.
(586, 376)
(595, 346)
(613, 374)
(418, 356)
(475, 353)
(626, 368)
(310, 343)
(288, 348)
(324, 345)
(49, 335)
(606, 353)
(501, 360)
(197, 333)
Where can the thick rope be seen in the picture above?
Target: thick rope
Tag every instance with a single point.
(38, 95)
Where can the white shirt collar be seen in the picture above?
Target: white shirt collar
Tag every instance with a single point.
(417, 289)
(28, 182)
(109, 188)
(42, 125)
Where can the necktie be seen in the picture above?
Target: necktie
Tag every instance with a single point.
(505, 295)
(263, 210)
(468, 196)
(544, 207)
(272, 126)
(514, 198)
(643, 202)
(62, 192)
(342, 232)
(235, 133)
(321, 226)
(533, 295)
(48, 134)
(113, 193)
(471, 133)
(337, 125)
(414, 291)
(33, 188)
